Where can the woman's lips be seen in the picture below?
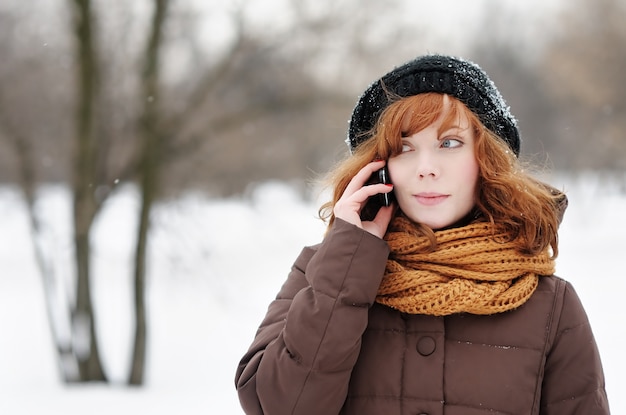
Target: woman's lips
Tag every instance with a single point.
(430, 199)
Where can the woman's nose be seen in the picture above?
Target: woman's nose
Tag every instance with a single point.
(427, 166)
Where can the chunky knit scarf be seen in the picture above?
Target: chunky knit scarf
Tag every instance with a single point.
(474, 269)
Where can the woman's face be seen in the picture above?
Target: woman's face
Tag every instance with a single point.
(435, 175)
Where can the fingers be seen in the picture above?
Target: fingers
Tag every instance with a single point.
(356, 193)
(363, 176)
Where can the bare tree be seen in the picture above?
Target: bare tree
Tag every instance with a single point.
(150, 173)
(84, 179)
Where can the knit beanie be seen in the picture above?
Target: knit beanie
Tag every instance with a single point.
(449, 75)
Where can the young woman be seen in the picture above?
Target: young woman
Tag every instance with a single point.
(443, 302)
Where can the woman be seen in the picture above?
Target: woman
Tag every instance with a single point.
(444, 301)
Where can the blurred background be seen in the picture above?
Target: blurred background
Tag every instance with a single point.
(130, 129)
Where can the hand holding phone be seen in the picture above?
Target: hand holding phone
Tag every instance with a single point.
(362, 205)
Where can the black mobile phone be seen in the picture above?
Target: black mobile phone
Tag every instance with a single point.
(375, 202)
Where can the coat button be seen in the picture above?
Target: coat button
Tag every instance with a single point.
(426, 346)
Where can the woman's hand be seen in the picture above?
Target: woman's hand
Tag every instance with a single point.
(349, 206)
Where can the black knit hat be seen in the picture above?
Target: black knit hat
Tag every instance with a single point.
(456, 77)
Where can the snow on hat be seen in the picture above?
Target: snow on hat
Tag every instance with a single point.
(456, 77)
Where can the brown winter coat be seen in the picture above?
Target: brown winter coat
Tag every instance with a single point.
(325, 347)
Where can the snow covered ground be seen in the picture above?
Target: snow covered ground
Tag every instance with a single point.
(215, 265)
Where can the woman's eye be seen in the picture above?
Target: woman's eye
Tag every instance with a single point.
(405, 148)
(451, 143)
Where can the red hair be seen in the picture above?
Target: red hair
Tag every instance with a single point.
(505, 194)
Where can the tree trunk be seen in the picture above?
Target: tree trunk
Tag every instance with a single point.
(152, 148)
(85, 206)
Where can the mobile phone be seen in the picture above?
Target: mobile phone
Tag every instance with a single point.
(382, 176)
(375, 202)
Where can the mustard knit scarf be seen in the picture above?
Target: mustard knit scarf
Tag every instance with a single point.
(475, 269)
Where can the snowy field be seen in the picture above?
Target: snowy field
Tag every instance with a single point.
(215, 265)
